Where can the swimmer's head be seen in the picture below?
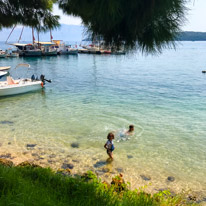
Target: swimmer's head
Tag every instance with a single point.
(110, 136)
(131, 128)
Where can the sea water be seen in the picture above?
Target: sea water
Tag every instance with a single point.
(163, 96)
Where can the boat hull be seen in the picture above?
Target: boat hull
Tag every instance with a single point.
(2, 55)
(19, 88)
(50, 53)
(70, 52)
(32, 53)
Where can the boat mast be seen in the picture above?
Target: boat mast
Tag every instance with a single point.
(10, 34)
(51, 37)
(33, 38)
(21, 34)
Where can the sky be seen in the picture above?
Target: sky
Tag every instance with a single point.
(196, 16)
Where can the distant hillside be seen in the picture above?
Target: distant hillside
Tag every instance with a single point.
(192, 36)
(65, 32)
(75, 33)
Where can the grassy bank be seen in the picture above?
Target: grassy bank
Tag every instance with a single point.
(43, 187)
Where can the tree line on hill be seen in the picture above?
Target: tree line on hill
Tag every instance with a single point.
(191, 36)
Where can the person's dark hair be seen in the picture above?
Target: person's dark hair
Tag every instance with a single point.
(110, 135)
(131, 126)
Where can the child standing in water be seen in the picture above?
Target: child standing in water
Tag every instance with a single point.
(109, 146)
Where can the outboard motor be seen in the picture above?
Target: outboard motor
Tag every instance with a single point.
(42, 78)
(32, 78)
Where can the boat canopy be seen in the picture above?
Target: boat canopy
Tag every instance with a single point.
(18, 44)
(45, 43)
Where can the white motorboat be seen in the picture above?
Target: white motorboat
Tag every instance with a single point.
(2, 54)
(14, 87)
(2, 74)
(64, 49)
(12, 53)
(4, 68)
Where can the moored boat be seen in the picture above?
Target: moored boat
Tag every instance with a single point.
(12, 53)
(47, 48)
(2, 54)
(4, 68)
(28, 50)
(20, 86)
(64, 49)
(3, 73)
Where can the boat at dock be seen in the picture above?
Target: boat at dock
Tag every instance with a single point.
(12, 53)
(28, 50)
(23, 85)
(47, 48)
(2, 54)
(64, 49)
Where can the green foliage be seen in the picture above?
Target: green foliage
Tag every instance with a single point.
(29, 13)
(42, 187)
(149, 25)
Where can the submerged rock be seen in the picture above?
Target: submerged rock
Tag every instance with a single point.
(119, 170)
(0, 144)
(6, 122)
(9, 143)
(6, 163)
(52, 156)
(75, 161)
(129, 156)
(75, 145)
(67, 166)
(105, 170)
(8, 155)
(50, 161)
(31, 145)
(100, 164)
(34, 154)
(171, 179)
(145, 178)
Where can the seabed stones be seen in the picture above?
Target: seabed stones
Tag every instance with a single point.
(145, 178)
(75, 145)
(170, 179)
(7, 122)
(129, 156)
(67, 166)
(31, 146)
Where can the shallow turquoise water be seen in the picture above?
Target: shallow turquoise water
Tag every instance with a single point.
(164, 96)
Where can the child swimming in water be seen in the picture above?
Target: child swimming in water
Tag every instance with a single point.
(131, 130)
(109, 146)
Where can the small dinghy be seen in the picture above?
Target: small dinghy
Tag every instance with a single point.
(24, 85)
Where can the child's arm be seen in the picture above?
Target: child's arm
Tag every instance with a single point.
(105, 146)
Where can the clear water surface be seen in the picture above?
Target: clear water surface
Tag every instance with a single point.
(164, 96)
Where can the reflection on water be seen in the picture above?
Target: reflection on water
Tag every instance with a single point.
(163, 96)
